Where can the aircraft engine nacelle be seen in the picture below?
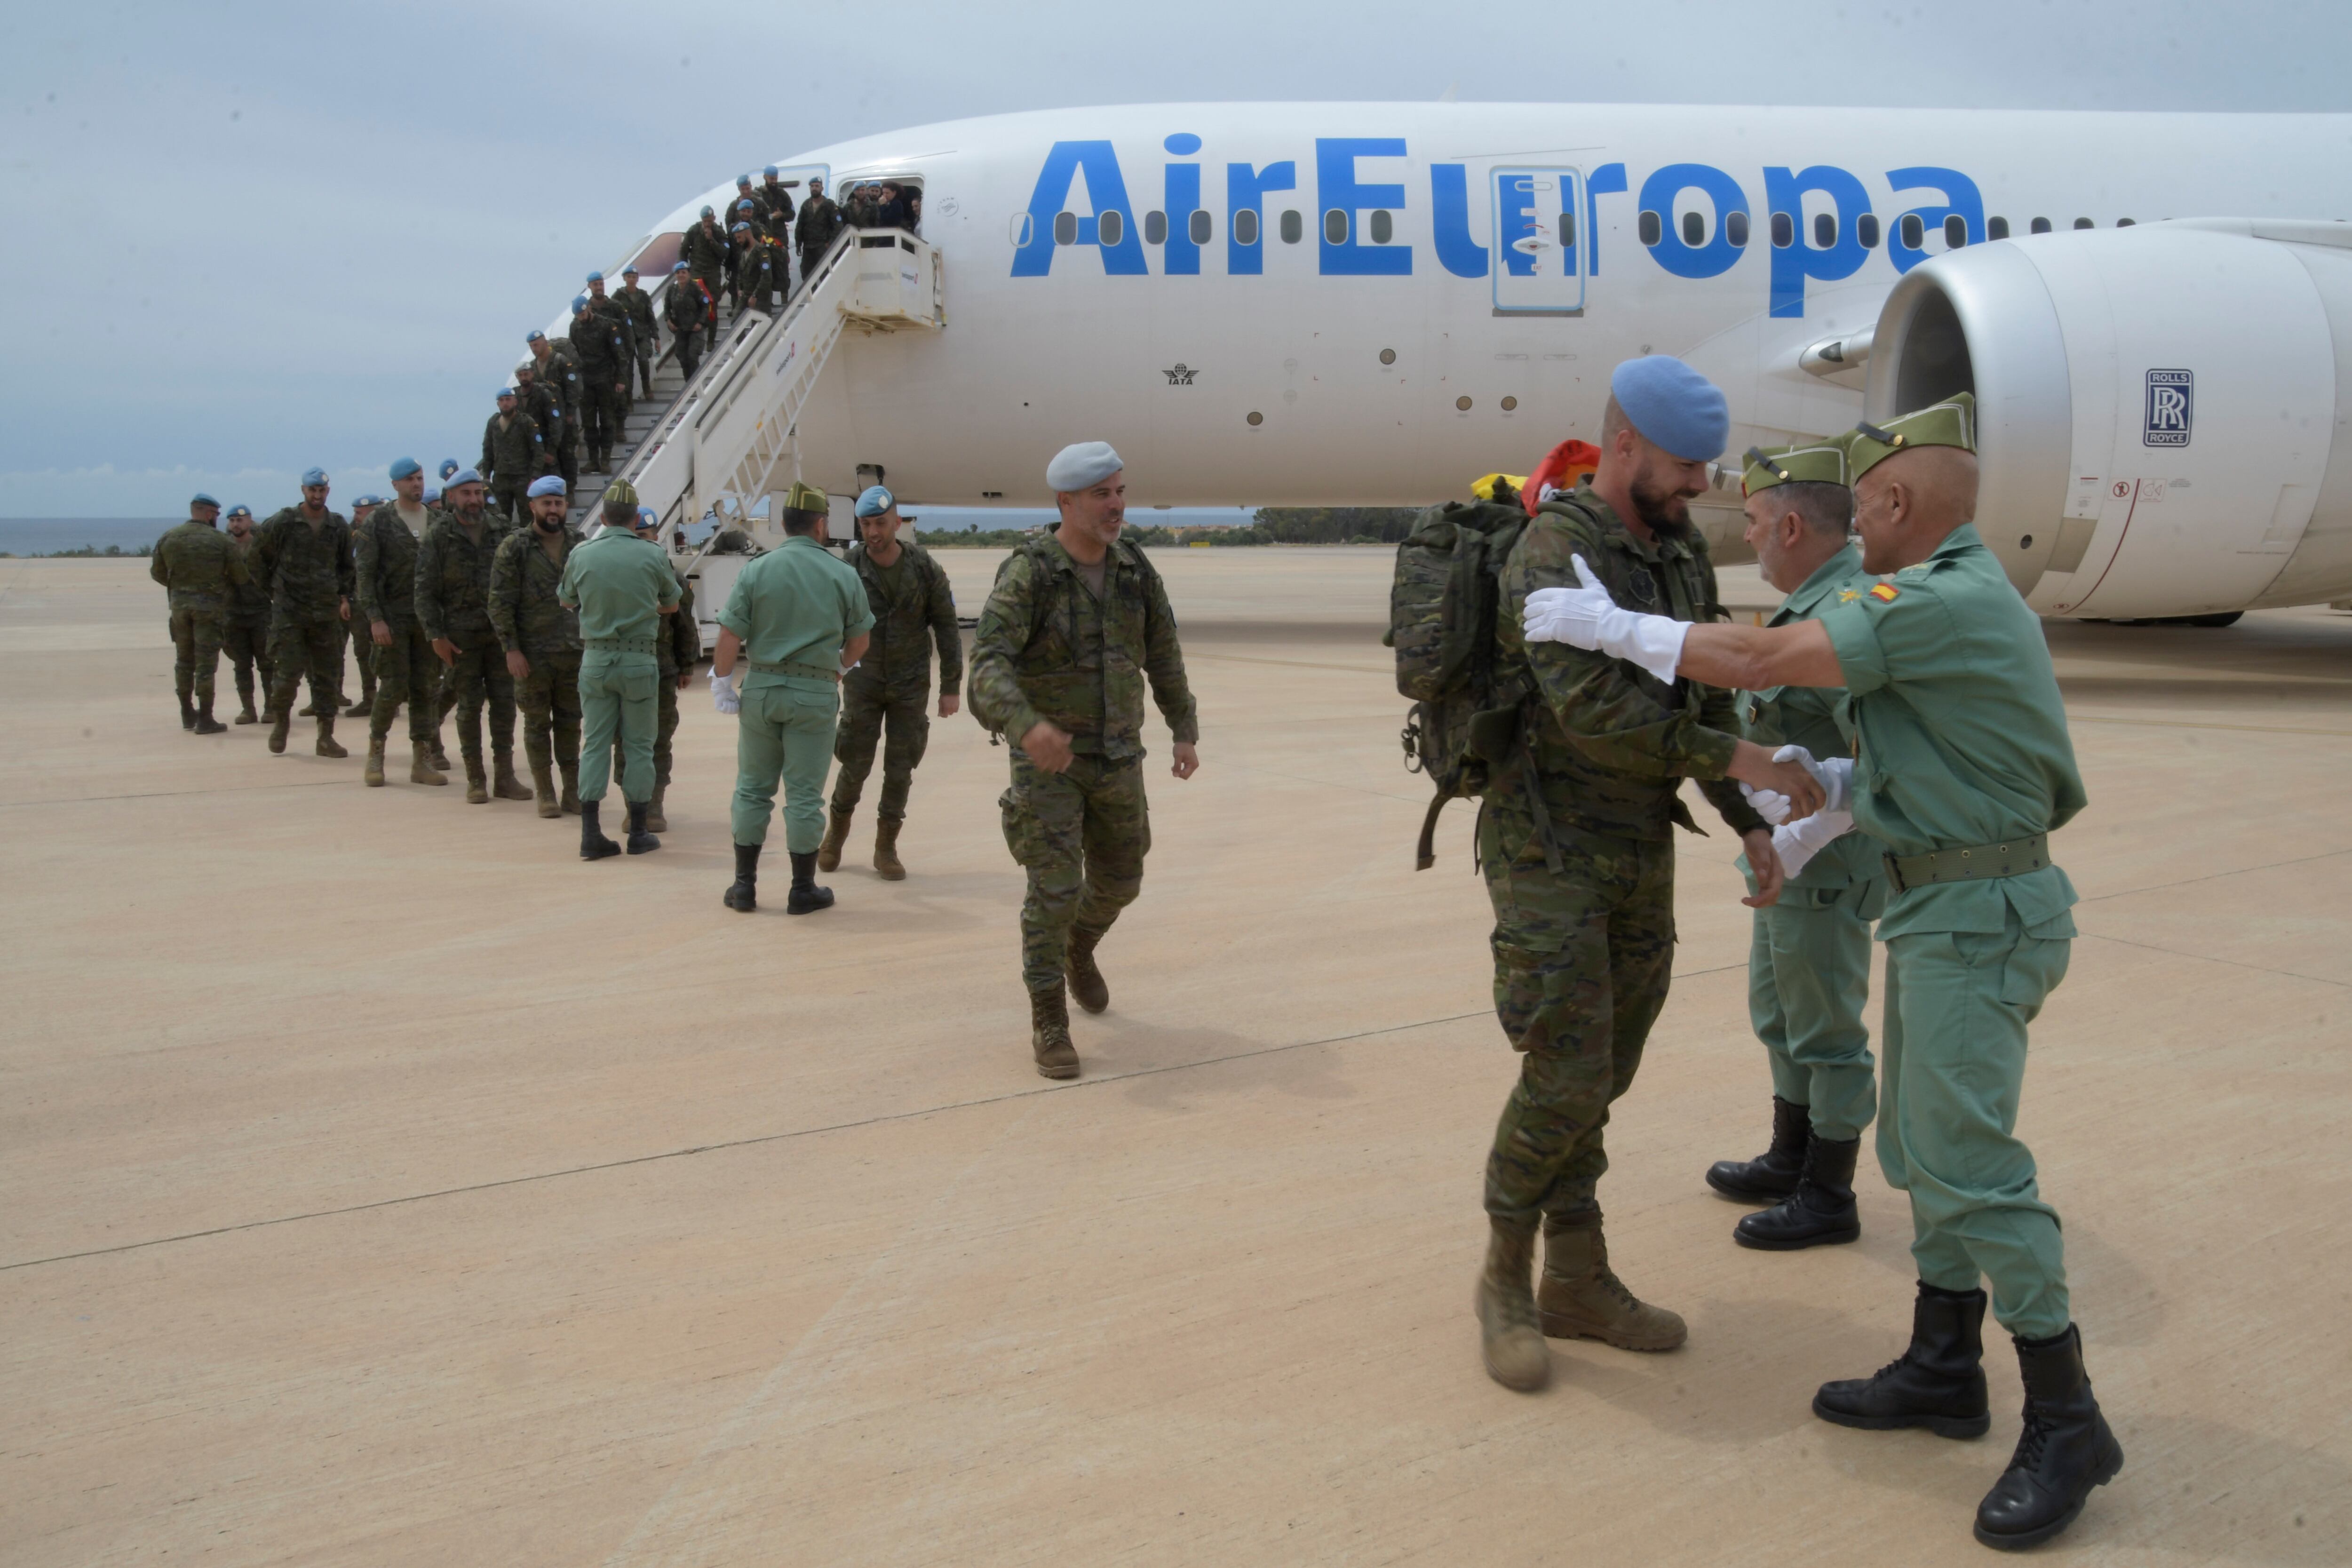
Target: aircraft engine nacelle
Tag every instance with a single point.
(2162, 423)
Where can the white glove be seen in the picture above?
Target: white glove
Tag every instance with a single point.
(1586, 617)
(1798, 842)
(1769, 803)
(723, 696)
(1834, 775)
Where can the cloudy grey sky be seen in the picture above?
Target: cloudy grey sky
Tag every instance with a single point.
(248, 237)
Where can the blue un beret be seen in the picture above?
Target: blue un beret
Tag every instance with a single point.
(534, 337)
(771, 169)
(506, 391)
(240, 510)
(1082, 466)
(431, 498)
(874, 500)
(199, 498)
(681, 266)
(1673, 407)
(313, 477)
(406, 467)
(546, 485)
(579, 304)
(463, 477)
(742, 228)
(449, 467)
(744, 206)
(646, 518)
(595, 277)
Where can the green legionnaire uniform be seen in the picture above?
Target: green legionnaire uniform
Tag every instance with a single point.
(890, 690)
(793, 610)
(1054, 647)
(386, 546)
(247, 633)
(201, 569)
(528, 611)
(514, 452)
(639, 306)
(676, 648)
(812, 235)
(1809, 955)
(621, 586)
(308, 564)
(452, 605)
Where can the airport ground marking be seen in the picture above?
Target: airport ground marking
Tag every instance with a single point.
(2214, 877)
(170, 794)
(2201, 724)
(2228, 962)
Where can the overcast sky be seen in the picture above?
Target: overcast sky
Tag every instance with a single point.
(245, 238)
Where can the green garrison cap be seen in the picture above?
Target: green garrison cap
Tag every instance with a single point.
(805, 498)
(1951, 423)
(1820, 463)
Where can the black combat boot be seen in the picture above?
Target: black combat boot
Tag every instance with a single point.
(1086, 984)
(280, 720)
(187, 712)
(806, 897)
(2064, 1450)
(1771, 1175)
(744, 896)
(593, 845)
(205, 724)
(1820, 1212)
(1938, 1383)
(640, 841)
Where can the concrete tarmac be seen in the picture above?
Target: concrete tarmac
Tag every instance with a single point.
(378, 1183)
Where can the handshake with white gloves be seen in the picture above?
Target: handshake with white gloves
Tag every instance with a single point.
(1586, 617)
(1798, 842)
(723, 695)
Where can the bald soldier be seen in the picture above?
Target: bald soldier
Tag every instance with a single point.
(1962, 769)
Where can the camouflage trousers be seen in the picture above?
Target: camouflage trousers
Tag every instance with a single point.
(305, 648)
(507, 500)
(197, 633)
(480, 671)
(246, 643)
(567, 461)
(665, 728)
(404, 672)
(1582, 956)
(602, 408)
(1082, 836)
(362, 654)
(549, 699)
(868, 711)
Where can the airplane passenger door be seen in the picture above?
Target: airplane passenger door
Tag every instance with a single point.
(1539, 263)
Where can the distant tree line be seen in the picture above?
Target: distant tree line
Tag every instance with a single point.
(1271, 525)
(82, 552)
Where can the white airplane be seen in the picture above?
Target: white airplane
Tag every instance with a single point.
(1374, 303)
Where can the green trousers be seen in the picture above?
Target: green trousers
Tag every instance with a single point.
(363, 656)
(784, 733)
(477, 676)
(197, 632)
(1958, 1003)
(1808, 979)
(549, 698)
(868, 710)
(407, 671)
(299, 648)
(665, 725)
(1582, 957)
(1081, 835)
(617, 696)
(248, 647)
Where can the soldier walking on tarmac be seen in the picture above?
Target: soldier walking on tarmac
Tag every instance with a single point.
(541, 638)
(386, 546)
(362, 654)
(1077, 623)
(621, 586)
(201, 570)
(304, 554)
(247, 644)
(453, 603)
(914, 611)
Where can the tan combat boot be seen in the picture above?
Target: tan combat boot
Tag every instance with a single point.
(1513, 1349)
(828, 854)
(569, 804)
(374, 773)
(477, 782)
(1086, 982)
(440, 757)
(1581, 1297)
(420, 765)
(885, 850)
(327, 746)
(542, 788)
(505, 785)
(655, 821)
(1049, 1034)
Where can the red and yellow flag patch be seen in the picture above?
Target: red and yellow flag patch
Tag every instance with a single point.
(1883, 591)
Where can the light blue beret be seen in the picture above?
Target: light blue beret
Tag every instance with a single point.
(407, 466)
(240, 510)
(646, 518)
(708, 213)
(742, 178)
(546, 485)
(504, 392)
(431, 498)
(534, 337)
(874, 500)
(771, 169)
(595, 277)
(1082, 466)
(1673, 407)
(199, 498)
(313, 477)
(742, 228)
(745, 205)
(630, 270)
(462, 477)
(681, 266)
(449, 467)
(579, 304)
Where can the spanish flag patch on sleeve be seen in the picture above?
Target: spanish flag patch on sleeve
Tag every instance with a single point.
(1885, 591)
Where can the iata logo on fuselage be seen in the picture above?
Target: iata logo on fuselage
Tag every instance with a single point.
(1179, 373)
(2170, 402)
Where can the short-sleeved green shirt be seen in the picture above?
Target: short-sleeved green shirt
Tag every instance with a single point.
(619, 585)
(1959, 731)
(795, 605)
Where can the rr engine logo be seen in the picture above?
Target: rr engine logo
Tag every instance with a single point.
(2170, 402)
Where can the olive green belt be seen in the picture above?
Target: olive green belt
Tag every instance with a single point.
(619, 644)
(1977, 861)
(800, 668)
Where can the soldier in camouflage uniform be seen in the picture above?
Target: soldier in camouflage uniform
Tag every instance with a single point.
(766, 272)
(513, 454)
(677, 645)
(692, 312)
(913, 611)
(541, 638)
(361, 657)
(640, 308)
(385, 547)
(304, 554)
(201, 570)
(820, 220)
(611, 309)
(559, 373)
(247, 644)
(601, 345)
(1076, 626)
(707, 251)
(453, 603)
(775, 203)
(1576, 841)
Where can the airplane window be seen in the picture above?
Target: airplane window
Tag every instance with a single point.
(1825, 230)
(1197, 225)
(1293, 226)
(2123, 223)
(1111, 226)
(1652, 229)
(1255, 418)
(2085, 222)
(1155, 229)
(1463, 403)
(1995, 228)
(1865, 229)
(1335, 227)
(1784, 231)
(1383, 227)
(1568, 229)
(1388, 356)
(1913, 233)
(1246, 227)
(2040, 225)
(1956, 231)
(1023, 225)
(1734, 228)
(1509, 404)
(1694, 230)
(1066, 228)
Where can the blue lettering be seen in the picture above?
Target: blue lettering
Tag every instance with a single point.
(1609, 180)
(1180, 257)
(1336, 189)
(1106, 191)
(1449, 215)
(1245, 191)
(1962, 201)
(1718, 255)
(1793, 264)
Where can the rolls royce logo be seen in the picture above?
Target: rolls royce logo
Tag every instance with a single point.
(1180, 374)
(2169, 394)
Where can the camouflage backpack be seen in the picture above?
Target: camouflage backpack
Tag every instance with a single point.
(1442, 607)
